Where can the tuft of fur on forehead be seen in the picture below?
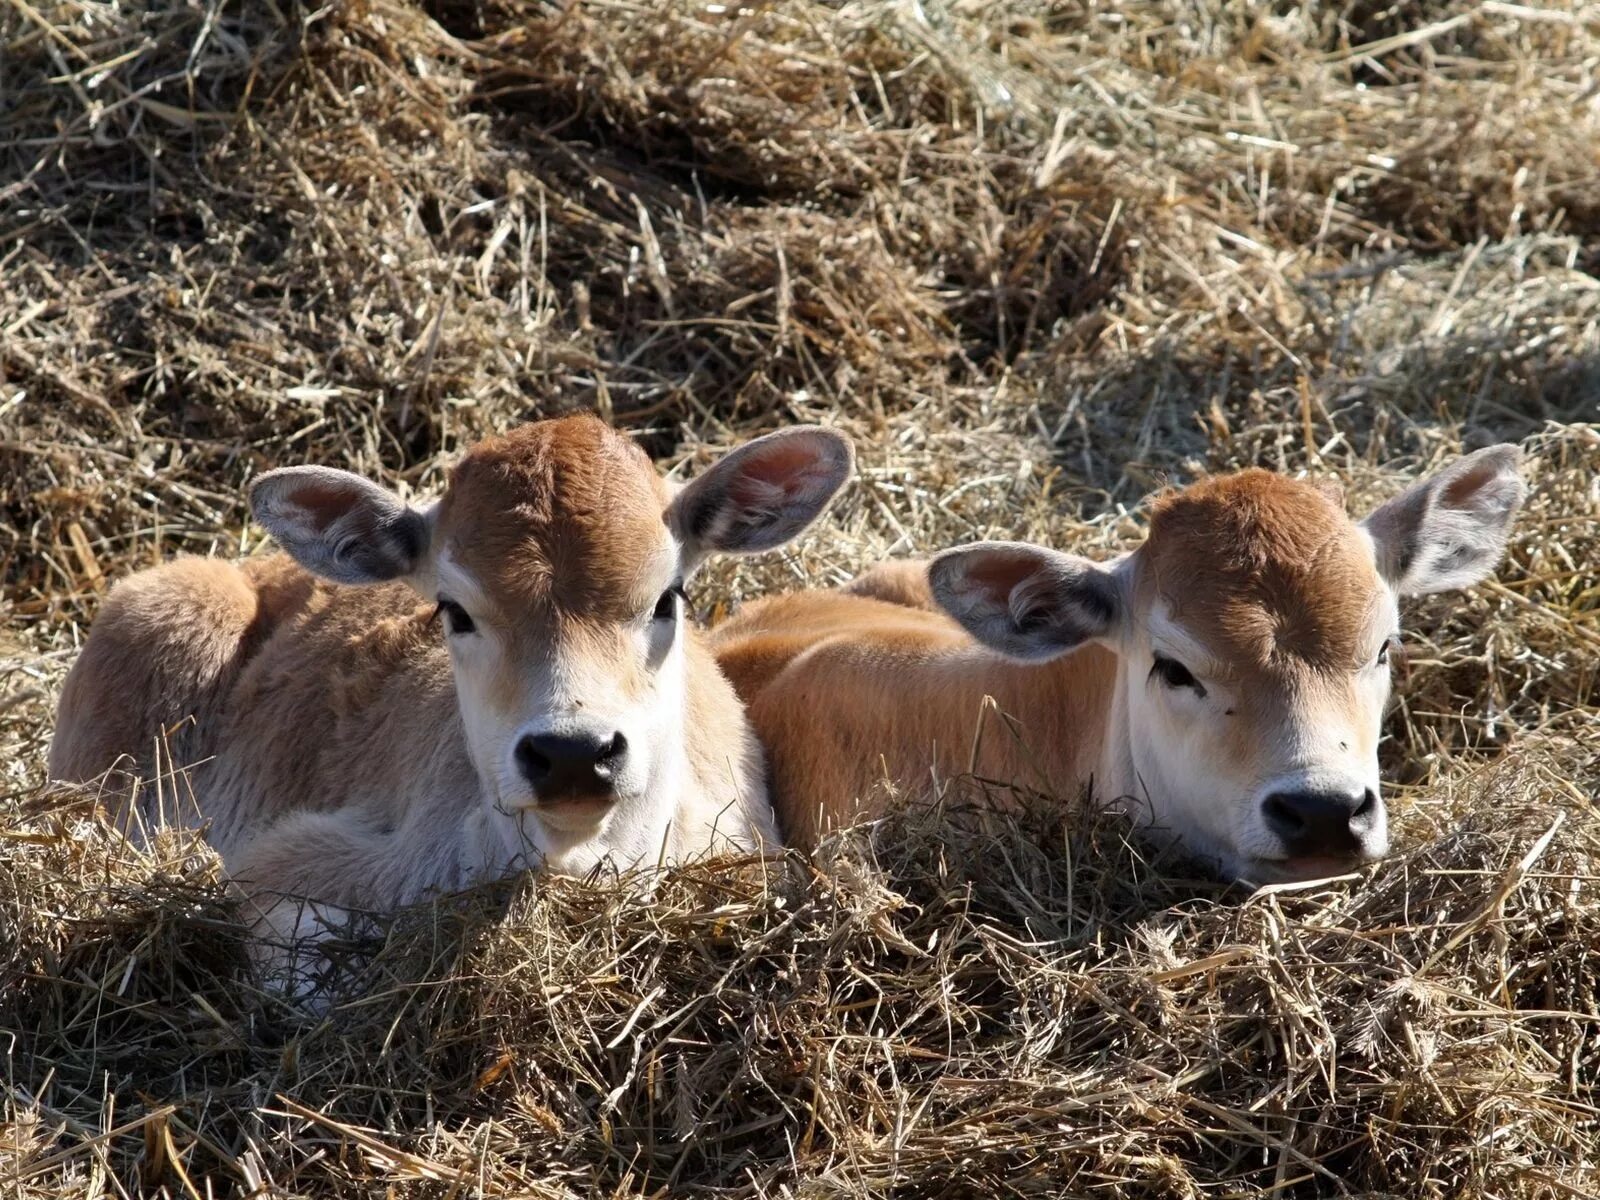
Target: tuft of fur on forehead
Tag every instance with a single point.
(566, 512)
(1262, 569)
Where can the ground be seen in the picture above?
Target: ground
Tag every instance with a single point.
(1038, 260)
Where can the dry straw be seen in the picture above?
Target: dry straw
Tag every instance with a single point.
(1038, 258)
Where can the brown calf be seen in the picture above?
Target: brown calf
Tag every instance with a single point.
(1226, 680)
(416, 698)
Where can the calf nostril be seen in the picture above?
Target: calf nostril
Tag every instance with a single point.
(1283, 816)
(1369, 805)
(608, 758)
(533, 764)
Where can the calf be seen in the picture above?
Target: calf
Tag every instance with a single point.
(1227, 679)
(414, 699)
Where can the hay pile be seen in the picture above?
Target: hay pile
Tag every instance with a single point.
(1037, 258)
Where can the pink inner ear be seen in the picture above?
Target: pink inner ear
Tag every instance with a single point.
(999, 574)
(780, 469)
(1459, 492)
(322, 504)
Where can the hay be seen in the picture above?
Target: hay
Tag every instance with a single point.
(1037, 259)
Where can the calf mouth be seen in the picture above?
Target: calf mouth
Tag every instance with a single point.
(572, 809)
(1304, 869)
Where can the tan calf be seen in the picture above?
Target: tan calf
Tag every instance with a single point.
(417, 698)
(1226, 680)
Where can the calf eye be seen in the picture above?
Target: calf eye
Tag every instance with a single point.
(1391, 645)
(667, 606)
(456, 618)
(1175, 675)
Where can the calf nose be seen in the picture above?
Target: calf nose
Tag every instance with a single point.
(1321, 823)
(567, 765)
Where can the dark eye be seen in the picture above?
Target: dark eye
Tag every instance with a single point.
(667, 606)
(1175, 675)
(455, 617)
(1390, 645)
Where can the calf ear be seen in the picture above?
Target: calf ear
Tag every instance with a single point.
(1449, 531)
(338, 525)
(1025, 601)
(761, 495)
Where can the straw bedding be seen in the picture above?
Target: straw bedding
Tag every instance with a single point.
(1037, 259)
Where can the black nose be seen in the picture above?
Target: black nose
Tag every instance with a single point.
(571, 765)
(1321, 823)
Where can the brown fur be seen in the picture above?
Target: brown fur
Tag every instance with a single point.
(1263, 569)
(587, 512)
(848, 691)
(147, 692)
(903, 581)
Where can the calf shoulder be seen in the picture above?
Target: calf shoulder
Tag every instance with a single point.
(349, 705)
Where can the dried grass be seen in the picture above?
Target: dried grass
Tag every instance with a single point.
(1037, 258)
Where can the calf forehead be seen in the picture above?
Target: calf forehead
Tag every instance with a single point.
(1264, 570)
(565, 513)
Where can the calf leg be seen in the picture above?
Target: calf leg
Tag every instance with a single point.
(313, 875)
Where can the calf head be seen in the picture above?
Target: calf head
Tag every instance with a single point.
(1253, 629)
(557, 557)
